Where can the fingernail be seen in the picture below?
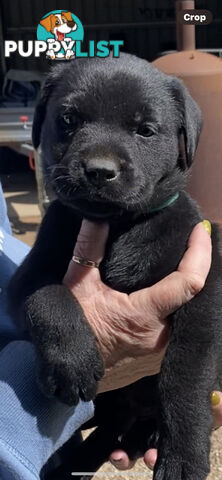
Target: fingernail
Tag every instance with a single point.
(149, 465)
(118, 459)
(207, 225)
(116, 462)
(215, 399)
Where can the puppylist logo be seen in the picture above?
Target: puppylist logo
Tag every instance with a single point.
(60, 34)
(60, 30)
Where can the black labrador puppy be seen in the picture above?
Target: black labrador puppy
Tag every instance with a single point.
(118, 138)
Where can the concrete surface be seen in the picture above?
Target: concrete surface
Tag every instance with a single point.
(21, 197)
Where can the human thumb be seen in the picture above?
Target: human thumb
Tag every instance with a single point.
(179, 287)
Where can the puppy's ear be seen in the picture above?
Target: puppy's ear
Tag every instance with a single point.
(67, 15)
(190, 123)
(46, 22)
(40, 109)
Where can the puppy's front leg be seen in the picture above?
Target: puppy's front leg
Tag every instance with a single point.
(69, 362)
(187, 378)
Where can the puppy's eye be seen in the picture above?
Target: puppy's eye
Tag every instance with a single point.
(67, 119)
(71, 121)
(57, 22)
(145, 130)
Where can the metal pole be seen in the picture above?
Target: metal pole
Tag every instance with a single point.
(185, 33)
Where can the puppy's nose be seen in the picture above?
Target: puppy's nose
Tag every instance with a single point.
(99, 170)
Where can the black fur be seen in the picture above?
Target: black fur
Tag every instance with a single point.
(125, 113)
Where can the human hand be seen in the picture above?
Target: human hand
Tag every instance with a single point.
(132, 331)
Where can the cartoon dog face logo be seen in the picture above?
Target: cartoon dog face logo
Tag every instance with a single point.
(59, 24)
(57, 29)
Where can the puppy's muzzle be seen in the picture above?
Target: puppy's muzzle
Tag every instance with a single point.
(99, 171)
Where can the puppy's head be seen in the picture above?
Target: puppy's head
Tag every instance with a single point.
(116, 134)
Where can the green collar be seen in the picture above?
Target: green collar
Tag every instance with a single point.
(166, 204)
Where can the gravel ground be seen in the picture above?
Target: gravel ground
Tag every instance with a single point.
(140, 471)
(216, 456)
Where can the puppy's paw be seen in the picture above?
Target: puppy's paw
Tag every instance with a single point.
(71, 375)
(171, 465)
(69, 362)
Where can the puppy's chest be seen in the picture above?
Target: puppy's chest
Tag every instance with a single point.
(136, 259)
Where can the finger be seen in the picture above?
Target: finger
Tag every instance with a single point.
(197, 258)
(90, 245)
(150, 458)
(216, 402)
(120, 460)
(91, 240)
(179, 287)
